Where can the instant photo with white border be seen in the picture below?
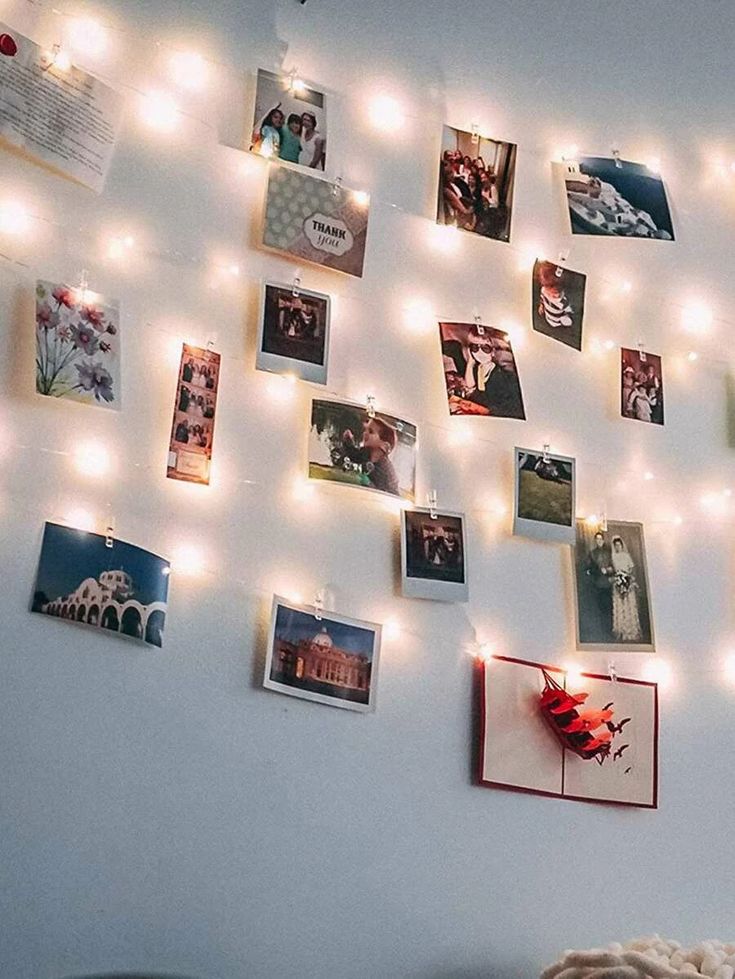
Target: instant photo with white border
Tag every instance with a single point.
(418, 586)
(543, 529)
(265, 360)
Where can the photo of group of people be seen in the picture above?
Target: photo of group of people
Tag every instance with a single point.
(190, 449)
(433, 555)
(641, 386)
(545, 496)
(558, 302)
(294, 333)
(476, 183)
(362, 447)
(480, 371)
(290, 121)
(612, 597)
(616, 198)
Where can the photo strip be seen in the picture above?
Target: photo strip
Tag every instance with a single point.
(294, 332)
(192, 432)
(361, 447)
(77, 345)
(102, 582)
(320, 656)
(535, 737)
(558, 302)
(434, 555)
(611, 592)
(480, 371)
(641, 386)
(476, 184)
(312, 220)
(290, 121)
(545, 496)
(616, 198)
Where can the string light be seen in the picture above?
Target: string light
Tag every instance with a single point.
(654, 164)
(189, 70)
(92, 459)
(391, 629)
(14, 219)
(282, 387)
(697, 317)
(87, 36)
(302, 490)
(187, 560)
(486, 652)
(159, 111)
(729, 668)
(658, 671)
(648, 476)
(119, 246)
(361, 198)
(418, 315)
(82, 519)
(298, 86)
(385, 113)
(444, 237)
(574, 674)
(692, 356)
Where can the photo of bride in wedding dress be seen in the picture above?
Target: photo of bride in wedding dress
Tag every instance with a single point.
(611, 587)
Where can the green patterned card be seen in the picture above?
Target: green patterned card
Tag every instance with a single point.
(315, 220)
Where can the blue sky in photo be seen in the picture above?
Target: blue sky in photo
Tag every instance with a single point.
(293, 626)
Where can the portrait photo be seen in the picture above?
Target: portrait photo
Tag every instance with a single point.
(77, 345)
(586, 738)
(476, 184)
(433, 555)
(544, 496)
(294, 333)
(290, 121)
(641, 386)
(311, 219)
(612, 597)
(323, 657)
(480, 371)
(192, 433)
(121, 589)
(617, 198)
(351, 444)
(558, 302)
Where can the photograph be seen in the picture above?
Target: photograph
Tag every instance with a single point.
(544, 496)
(476, 184)
(613, 197)
(433, 555)
(119, 588)
(192, 432)
(311, 219)
(641, 386)
(320, 656)
(611, 592)
(586, 738)
(77, 345)
(361, 447)
(290, 121)
(294, 333)
(480, 371)
(558, 302)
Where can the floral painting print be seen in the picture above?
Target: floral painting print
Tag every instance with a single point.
(77, 345)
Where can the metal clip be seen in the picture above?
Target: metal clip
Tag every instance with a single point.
(545, 457)
(612, 671)
(83, 287)
(319, 605)
(641, 352)
(432, 500)
(559, 271)
(110, 533)
(296, 290)
(616, 157)
(478, 325)
(211, 342)
(603, 521)
(475, 130)
(370, 407)
(337, 187)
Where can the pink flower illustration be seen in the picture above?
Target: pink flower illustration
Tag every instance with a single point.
(95, 317)
(64, 297)
(46, 318)
(84, 339)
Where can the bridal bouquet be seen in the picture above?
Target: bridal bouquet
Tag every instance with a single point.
(647, 958)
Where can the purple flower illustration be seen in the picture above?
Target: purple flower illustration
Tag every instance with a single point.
(94, 377)
(95, 317)
(105, 347)
(46, 318)
(84, 339)
(111, 329)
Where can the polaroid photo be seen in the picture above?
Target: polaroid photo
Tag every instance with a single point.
(434, 555)
(616, 198)
(323, 657)
(611, 592)
(192, 431)
(294, 333)
(290, 123)
(545, 496)
(312, 220)
(558, 302)
(476, 184)
(641, 386)
(535, 735)
(122, 589)
(353, 445)
(77, 345)
(480, 371)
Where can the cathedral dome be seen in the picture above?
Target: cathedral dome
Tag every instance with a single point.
(323, 640)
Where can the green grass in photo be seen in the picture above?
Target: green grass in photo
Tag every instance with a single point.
(544, 500)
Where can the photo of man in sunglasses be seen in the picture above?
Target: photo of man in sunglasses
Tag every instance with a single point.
(480, 371)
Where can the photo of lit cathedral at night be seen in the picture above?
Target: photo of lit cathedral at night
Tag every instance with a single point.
(329, 659)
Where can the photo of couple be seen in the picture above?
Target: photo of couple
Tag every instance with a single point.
(294, 333)
(612, 595)
(642, 386)
(480, 371)
(433, 555)
(290, 121)
(476, 182)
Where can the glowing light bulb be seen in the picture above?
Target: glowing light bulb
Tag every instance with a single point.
(385, 113)
(233, 270)
(654, 164)
(14, 219)
(266, 150)
(459, 435)
(729, 668)
(295, 597)
(391, 629)
(298, 87)
(592, 520)
(574, 674)
(658, 671)
(87, 36)
(527, 256)
(189, 70)
(361, 198)
(92, 459)
(609, 344)
(281, 387)
(187, 560)
(59, 59)
(302, 490)
(677, 520)
(82, 519)
(486, 652)
(692, 356)
(626, 286)
(514, 334)
(159, 111)
(570, 152)
(418, 316)
(118, 246)
(648, 476)
(697, 317)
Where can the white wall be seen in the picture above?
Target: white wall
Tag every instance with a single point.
(159, 809)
